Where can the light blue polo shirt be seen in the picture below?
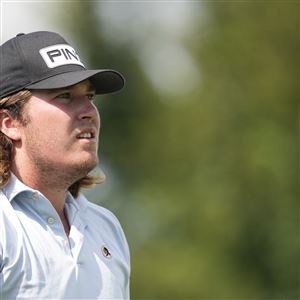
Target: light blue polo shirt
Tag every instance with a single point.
(38, 260)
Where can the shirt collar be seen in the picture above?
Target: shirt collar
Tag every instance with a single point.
(15, 187)
(80, 202)
(76, 206)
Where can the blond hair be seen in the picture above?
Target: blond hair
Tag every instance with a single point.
(15, 104)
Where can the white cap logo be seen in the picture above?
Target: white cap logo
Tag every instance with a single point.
(59, 55)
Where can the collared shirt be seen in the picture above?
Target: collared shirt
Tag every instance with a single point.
(38, 260)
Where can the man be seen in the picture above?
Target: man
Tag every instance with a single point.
(54, 244)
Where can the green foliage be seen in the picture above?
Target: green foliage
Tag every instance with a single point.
(208, 188)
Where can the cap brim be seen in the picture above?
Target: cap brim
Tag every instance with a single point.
(104, 81)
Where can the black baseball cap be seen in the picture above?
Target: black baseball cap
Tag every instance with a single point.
(45, 60)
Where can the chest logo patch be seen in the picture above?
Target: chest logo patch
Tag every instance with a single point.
(105, 252)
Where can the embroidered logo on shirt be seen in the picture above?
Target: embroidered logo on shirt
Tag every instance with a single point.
(105, 252)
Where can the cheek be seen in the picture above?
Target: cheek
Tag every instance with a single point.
(45, 132)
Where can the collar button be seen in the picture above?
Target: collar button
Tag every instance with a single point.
(35, 196)
(51, 220)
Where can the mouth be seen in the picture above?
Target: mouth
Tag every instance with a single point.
(88, 135)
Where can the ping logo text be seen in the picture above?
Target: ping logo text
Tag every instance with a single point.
(59, 55)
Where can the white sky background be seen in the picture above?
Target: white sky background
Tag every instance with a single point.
(26, 16)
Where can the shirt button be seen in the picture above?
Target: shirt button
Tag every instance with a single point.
(35, 196)
(51, 220)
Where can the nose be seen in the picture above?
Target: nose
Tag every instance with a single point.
(88, 111)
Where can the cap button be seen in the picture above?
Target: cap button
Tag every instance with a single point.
(19, 34)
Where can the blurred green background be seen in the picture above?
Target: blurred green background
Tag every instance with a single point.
(201, 147)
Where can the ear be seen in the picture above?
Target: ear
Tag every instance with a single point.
(9, 126)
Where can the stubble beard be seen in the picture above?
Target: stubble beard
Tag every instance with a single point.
(59, 175)
(62, 177)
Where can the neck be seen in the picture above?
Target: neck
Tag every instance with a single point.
(52, 180)
(51, 183)
(55, 193)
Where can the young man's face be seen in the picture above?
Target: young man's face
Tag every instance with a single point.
(62, 130)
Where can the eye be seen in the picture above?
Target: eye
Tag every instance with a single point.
(64, 97)
(90, 96)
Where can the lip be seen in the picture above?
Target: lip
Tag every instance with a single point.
(85, 140)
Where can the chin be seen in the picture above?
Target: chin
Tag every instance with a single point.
(87, 164)
(90, 164)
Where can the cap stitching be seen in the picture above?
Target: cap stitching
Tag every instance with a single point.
(23, 61)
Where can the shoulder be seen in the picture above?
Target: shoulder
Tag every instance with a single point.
(7, 213)
(10, 228)
(103, 212)
(9, 221)
(102, 220)
(97, 212)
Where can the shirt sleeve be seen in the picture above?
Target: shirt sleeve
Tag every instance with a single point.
(1, 257)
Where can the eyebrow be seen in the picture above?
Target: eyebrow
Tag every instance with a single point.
(91, 89)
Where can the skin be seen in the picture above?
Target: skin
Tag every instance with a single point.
(49, 156)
